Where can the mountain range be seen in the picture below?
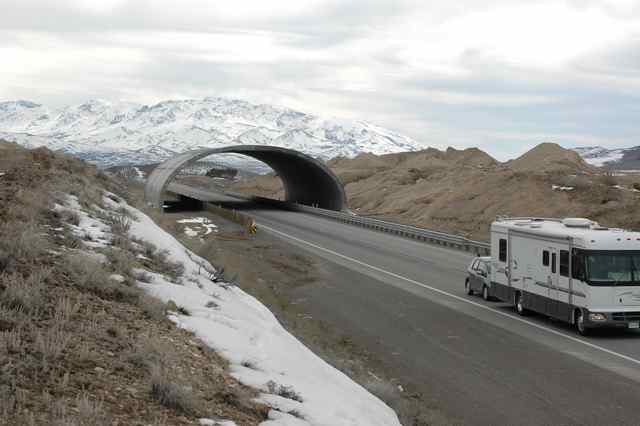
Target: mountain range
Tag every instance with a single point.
(117, 133)
(613, 159)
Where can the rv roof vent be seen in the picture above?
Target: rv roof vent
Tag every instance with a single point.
(576, 222)
(523, 223)
(536, 225)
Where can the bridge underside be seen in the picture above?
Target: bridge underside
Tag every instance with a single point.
(305, 179)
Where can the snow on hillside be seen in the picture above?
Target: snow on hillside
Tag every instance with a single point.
(301, 388)
(116, 133)
(599, 156)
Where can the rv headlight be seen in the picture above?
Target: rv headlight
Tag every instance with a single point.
(597, 317)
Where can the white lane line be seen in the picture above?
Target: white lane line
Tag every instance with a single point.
(461, 299)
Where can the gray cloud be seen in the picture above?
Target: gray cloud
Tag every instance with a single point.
(331, 24)
(330, 59)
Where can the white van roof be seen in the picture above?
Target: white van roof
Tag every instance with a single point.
(585, 233)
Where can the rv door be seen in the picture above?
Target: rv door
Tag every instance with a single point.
(552, 281)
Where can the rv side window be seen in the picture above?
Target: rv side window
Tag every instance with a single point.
(503, 250)
(553, 263)
(577, 266)
(564, 263)
(545, 258)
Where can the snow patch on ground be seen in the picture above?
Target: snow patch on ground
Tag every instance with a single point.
(117, 277)
(203, 226)
(190, 232)
(94, 232)
(261, 353)
(140, 173)
(623, 188)
(209, 422)
(562, 188)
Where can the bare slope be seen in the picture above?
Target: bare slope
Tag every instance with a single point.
(462, 191)
(80, 343)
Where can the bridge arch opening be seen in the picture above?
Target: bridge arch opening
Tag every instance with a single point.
(306, 180)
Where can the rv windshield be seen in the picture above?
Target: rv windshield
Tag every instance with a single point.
(611, 269)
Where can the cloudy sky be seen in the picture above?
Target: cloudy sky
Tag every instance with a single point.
(503, 75)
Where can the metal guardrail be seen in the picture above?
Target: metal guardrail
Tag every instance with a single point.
(407, 231)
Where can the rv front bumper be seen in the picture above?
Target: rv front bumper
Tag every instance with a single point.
(613, 319)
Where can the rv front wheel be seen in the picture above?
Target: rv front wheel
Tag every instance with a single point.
(582, 328)
(467, 288)
(520, 305)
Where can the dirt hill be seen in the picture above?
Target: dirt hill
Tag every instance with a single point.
(462, 191)
(550, 157)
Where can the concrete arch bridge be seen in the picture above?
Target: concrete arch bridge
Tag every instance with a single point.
(305, 179)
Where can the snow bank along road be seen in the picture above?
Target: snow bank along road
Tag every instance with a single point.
(301, 388)
(477, 361)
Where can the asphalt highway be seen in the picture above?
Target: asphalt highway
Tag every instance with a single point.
(477, 361)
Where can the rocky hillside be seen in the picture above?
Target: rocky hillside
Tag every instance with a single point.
(463, 191)
(116, 133)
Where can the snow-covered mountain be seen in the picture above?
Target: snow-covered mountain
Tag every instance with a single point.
(116, 133)
(618, 159)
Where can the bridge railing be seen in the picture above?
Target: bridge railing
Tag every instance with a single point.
(407, 231)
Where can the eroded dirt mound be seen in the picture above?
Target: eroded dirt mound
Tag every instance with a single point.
(462, 191)
(550, 157)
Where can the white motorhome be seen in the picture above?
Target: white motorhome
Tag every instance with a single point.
(570, 269)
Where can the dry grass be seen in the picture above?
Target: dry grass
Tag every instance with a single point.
(283, 391)
(21, 293)
(91, 412)
(153, 308)
(91, 275)
(159, 262)
(120, 261)
(66, 327)
(22, 245)
(65, 310)
(170, 394)
(51, 343)
(11, 342)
